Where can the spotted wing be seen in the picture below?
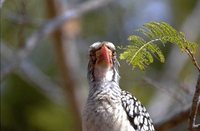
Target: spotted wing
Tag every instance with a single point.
(136, 113)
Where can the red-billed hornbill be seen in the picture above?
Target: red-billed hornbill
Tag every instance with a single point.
(109, 108)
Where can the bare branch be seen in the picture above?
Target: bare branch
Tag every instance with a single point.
(194, 61)
(194, 109)
(55, 23)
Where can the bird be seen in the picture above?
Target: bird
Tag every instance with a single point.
(108, 107)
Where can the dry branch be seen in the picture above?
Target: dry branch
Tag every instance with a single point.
(194, 109)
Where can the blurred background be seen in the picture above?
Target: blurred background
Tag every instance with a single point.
(44, 59)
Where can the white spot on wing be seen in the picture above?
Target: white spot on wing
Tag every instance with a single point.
(145, 127)
(136, 122)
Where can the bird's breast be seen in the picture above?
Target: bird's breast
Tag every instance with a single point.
(105, 113)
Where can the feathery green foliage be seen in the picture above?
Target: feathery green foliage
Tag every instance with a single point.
(140, 53)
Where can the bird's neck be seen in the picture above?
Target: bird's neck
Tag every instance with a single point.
(104, 82)
(104, 75)
(101, 76)
(102, 79)
(110, 82)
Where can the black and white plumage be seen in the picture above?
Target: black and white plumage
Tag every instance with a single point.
(108, 108)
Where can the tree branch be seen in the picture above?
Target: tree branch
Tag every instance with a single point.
(55, 23)
(194, 61)
(181, 117)
(174, 65)
(194, 109)
(66, 58)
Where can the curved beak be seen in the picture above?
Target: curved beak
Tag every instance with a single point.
(104, 57)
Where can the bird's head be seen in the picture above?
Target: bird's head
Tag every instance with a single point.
(103, 63)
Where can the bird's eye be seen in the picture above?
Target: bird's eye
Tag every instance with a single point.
(109, 48)
(113, 53)
(98, 48)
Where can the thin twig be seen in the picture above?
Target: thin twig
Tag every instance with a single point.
(194, 109)
(194, 61)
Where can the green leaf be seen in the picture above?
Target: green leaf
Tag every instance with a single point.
(141, 51)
